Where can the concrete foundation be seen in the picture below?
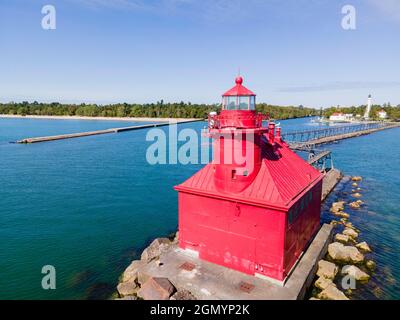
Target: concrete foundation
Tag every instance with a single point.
(208, 281)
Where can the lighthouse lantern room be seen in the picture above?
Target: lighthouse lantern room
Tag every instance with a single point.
(256, 206)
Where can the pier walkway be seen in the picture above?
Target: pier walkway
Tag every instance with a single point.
(309, 138)
(105, 131)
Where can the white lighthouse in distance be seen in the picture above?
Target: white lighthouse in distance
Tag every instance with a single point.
(368, 110)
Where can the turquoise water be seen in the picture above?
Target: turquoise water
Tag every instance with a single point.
(376, 158)
(12, 130)
(89, 205)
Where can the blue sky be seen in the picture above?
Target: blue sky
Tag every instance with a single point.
(290, 52)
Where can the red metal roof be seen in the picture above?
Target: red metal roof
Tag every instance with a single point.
(239, 89)
(282, 178)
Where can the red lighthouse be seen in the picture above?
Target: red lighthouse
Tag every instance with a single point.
(256, 206)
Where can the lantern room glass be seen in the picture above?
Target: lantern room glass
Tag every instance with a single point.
(230, 103)
(239, 103)
(252, 103)
(243, 103)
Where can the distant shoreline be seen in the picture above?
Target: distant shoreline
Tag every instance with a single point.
(130, 119)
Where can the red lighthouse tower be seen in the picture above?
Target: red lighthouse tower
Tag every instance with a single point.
(256, 206)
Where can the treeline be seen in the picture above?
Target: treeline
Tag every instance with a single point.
(393, 112)
(153, 110)
(290, 112)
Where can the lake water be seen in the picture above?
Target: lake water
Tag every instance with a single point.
(88, 206)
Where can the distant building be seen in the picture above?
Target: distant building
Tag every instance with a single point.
(382, 114)
(341, 117)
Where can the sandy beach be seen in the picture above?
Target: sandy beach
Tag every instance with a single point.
(99, 118)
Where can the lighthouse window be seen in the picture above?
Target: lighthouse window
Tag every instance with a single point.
(252, 103)
(231, 103)
(239, 103)
(244, 103)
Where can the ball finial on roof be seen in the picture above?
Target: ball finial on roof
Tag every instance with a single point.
(239, 80)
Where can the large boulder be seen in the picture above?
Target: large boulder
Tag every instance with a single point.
(127, 288)
(349, 225)
(156, 289)
(355, 272)
(342, 214)
(332, 293)
(344, 254)
(371, 265)
(357, 195)
(350, 233)
(356, 178)
(155, 249)
(323, 283)
(342, 238)
(337, 206)
(355, 205)
(176, 238)
(183, 294)
(327, 269)
(130, 273)
(364, 247)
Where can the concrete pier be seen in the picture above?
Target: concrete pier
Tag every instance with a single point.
(208, 281)
(331, 179)
(99, 132)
